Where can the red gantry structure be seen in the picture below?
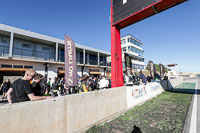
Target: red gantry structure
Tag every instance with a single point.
(123, 14)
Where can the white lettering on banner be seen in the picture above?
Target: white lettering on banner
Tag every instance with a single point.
(69, 43)
(70, 71)
(70, 57)
(70, 81)
(138, 92)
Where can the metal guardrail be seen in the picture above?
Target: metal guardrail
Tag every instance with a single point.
(4, 50)
(38, 55)
(41, 55)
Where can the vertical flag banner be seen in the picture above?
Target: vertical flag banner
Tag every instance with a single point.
(152, 69)
(70, 63)
(128, 63)
(162, 71)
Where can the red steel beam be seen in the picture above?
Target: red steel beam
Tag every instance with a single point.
(116, 55)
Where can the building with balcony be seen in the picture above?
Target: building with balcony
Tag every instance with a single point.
(134, 48)
(21, 49)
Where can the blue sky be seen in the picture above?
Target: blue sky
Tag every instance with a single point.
(168, 37)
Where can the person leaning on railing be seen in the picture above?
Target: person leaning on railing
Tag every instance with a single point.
(21, 89)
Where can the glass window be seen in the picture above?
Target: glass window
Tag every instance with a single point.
(29, 67)
(17, 66)
(123, 41)
(45, 49)
(3, 40)
(61, 68)
(129, 48)
(26, 45)
(6, 66)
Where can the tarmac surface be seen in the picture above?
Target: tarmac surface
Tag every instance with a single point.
(198, 105)
(195, 123)
(192, 123)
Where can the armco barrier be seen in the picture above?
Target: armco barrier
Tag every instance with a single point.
(73, 113)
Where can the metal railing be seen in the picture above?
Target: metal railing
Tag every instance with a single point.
(4, 50)
(32, 54)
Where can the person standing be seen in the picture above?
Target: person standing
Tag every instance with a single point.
(55, 87)
(37, 89)
(103, 83)
(21, 89)
(143, 78)
(49, 85)
(5, 87)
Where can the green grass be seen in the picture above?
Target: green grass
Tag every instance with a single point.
(165, 113)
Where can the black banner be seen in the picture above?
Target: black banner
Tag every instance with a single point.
(162, 70)
(152, 69)
(128, 63)
(125, 8)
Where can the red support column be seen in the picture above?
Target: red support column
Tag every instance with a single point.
(116, 55)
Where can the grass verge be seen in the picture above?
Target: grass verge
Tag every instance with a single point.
(165, 113)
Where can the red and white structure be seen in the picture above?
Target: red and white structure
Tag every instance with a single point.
(123, 14)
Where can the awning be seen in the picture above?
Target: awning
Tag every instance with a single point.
(13, 69)
(61, 71)
(95, 73)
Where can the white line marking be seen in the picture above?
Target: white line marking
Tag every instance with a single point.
(193, 123)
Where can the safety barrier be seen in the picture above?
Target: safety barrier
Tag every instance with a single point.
(73, 113)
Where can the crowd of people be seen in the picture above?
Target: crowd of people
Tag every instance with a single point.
(141, 78)
(33, 86)
(84, 84)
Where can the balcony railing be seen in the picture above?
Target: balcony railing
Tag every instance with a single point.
(4, 50)
(32, 54)
(79, 60)
(61, 58)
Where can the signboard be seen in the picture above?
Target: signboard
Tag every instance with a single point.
(138, 94)
(127, 12)
(128, 63)
(172, 65)
(122, 9)
(70, 63)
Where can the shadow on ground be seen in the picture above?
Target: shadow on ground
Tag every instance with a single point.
(136, 129)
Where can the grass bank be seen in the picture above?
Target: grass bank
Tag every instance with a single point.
(165, 113)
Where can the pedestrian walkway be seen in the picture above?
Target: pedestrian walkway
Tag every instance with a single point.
(195, 116)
